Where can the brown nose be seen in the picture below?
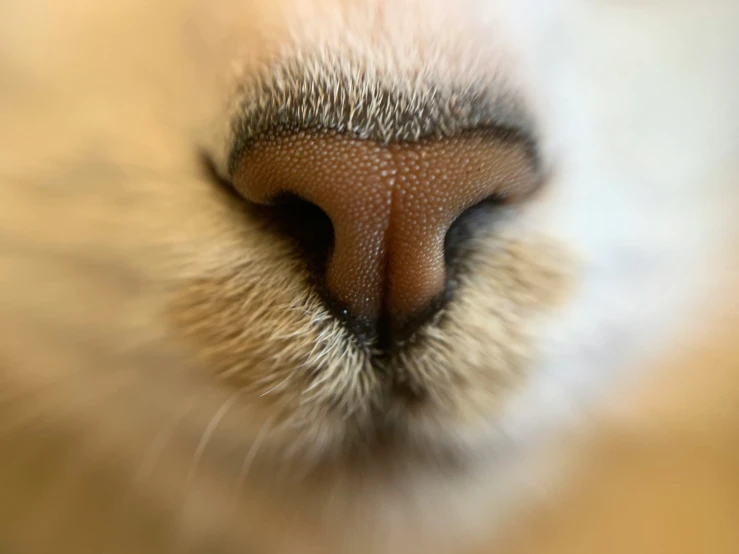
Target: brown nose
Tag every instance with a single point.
(390, 205)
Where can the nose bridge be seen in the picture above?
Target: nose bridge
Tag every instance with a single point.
(421, 211)
(360, 211)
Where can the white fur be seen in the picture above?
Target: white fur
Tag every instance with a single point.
(640, 112)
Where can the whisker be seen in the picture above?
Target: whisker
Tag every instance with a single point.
(162, 438)
(199, 451)
(249, 459)
(278, 385)
(208, 433)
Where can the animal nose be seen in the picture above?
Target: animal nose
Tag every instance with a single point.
(390, 205)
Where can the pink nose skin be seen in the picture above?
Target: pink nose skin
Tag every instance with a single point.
(390, 205)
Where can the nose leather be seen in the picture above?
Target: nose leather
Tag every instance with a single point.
(390, 205)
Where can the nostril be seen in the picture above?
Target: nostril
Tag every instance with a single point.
(311, 231)
(474, 221)
(307, 226)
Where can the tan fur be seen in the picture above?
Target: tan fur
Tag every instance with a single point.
(171, 382)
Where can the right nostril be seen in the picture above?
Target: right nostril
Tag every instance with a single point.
(476, 220)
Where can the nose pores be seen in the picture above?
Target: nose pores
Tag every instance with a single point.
(390, 205)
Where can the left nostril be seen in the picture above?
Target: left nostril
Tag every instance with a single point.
(307, 226)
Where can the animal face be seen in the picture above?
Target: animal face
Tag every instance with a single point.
(535, 289)
(345, 246)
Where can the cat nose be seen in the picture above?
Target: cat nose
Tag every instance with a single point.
(390, 205)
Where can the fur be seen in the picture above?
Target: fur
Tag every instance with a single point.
(170, 381)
